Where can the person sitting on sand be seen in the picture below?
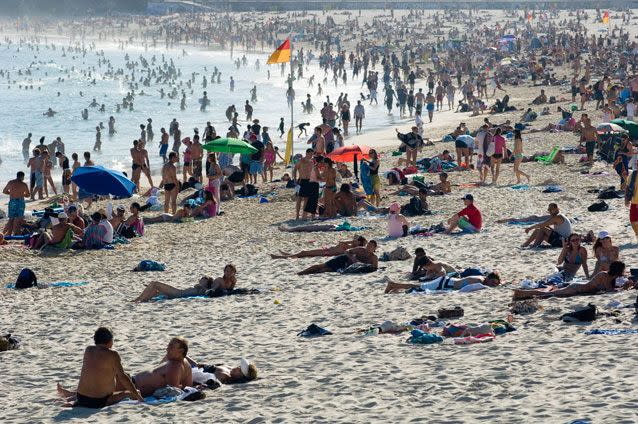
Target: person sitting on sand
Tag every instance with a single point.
(445, 283)
(442, 187)
(425, 268)
(540, 99)
(339, 249)
(95, 234)
(58, 232)
(469, 219)
(205, 286)
(553, 230)
(101, 374)
(356, 254)
(244, 373)
(605, 252)
(345, 201)
(572, 257)
(398, 225)
(604, 281)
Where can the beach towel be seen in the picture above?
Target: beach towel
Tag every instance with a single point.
(346, 226)
(479, 338)
(56, 284)
(520, 187)
(186, 394)
(613, 332)
(66, 242)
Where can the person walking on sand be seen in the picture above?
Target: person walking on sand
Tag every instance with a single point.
(589, 136)
(518, 157)
(500, 153)
(359, 114)
(631, 201)
(301, 176)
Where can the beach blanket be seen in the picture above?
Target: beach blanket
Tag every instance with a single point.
(56, 284)
(520, 187)
(613, 332)
(152, 400)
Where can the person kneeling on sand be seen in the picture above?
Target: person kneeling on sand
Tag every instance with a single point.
(445, 283)
(339, 249)
(205, 286)
(356, 254)
(102, 374)
(604, 281)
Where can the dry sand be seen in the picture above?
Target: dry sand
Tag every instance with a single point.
(547, 371)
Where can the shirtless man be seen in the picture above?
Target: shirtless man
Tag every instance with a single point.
(141, 163)
(301, 174)
(345, 201)
(590, 137)
(17, 191)
(101, 373)
(58, 232)
(356, 254)
(37, 178)
(170, 183)
(337, 250)
(320, 142)
(197, 153)
(176, 372)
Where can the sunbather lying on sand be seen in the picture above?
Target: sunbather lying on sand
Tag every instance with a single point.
(445, 283)
(185, 212)
(604, 281)
(229, 375)
(205, 286)
(357, 254)
(339, 249)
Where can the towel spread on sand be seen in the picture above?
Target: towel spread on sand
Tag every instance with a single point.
(57, 284)
(613, 332)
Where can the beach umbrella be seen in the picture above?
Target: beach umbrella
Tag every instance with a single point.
(101, 181)
(609, 128)
(229, 145)
(630, 126)
(350, 153)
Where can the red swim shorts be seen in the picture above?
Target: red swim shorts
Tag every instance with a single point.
(633, 213)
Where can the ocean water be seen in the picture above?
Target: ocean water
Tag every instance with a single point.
(22, 110)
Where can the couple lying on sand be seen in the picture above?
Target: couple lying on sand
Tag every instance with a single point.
(103, 381)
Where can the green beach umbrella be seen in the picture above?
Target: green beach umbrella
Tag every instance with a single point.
(630, 126)
(229, 145)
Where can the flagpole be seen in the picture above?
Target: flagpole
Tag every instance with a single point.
(292, 105)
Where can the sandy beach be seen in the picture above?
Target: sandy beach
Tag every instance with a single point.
(546, 371)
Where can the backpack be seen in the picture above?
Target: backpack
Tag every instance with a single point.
(598, 207)
(148, 265)
(26, 279)
(414, 208)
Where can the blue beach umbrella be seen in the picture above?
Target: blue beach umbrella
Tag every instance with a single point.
(101, 181)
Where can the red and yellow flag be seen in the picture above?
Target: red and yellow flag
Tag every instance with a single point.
(282, 54)
(606, 17)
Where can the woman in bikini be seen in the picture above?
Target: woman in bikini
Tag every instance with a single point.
(187, 169)
(329, 175)
(605, 252)
(572, 257)
(518, 157)
(205, 286)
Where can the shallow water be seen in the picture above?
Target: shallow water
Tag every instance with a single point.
(23, 109)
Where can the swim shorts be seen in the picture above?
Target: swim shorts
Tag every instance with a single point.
(460, 144)
(39, 179)
(256, 167)
(590, 146)
(338, 262)
(466, 227)
(16, 208)
(89, 402)
(633, 213)
(304, 188)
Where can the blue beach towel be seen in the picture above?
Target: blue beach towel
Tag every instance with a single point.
(421, 337)
(520, 187)
(57, 284)
(613, 332)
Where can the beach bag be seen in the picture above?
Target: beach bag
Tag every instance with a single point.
(148, 265)
(586, 314)
(598, 207)
(26, 279)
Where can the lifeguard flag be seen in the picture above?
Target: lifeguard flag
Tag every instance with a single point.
(288, 154)
(606, 17)
(282, 54)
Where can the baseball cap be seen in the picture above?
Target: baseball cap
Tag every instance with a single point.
(469, 197)
(603, 235)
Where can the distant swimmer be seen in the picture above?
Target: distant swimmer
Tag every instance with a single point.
(50, 113)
